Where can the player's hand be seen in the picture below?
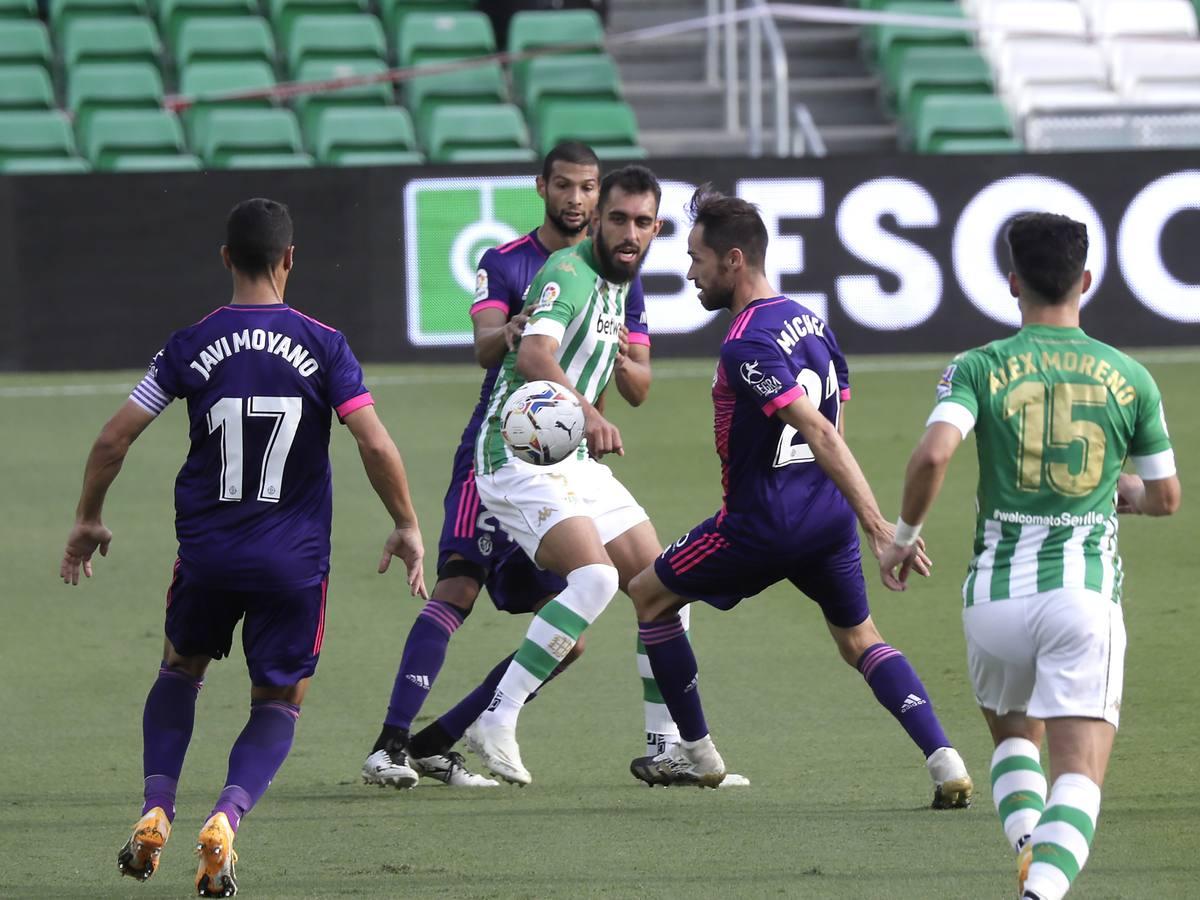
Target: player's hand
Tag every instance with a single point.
(904, 559)
(622, 348)
(602, 436)
(513, 330)
(83, 541)
(406, 544)
(1131, 490)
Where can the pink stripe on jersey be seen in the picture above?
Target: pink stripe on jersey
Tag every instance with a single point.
(354, 403)
(479, 307)
(845, 394)
(693, 551)
(314, 321)
(724, 401)
(738, 328)
(464, 524)
(637, 337)
(782, 400)
(513, 245)
(321, 620)
(716, 546)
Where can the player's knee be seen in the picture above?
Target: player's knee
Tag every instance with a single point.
(460, 591)
(597, 581)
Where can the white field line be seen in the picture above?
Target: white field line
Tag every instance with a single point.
(665, 370)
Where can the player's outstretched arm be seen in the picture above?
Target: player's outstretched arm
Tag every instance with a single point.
(632, 370)
(385, 470)
(495, 335)
(535, 361)
(104, 462)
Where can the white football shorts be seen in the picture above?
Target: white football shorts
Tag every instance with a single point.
(529, 500)
(1051, 654)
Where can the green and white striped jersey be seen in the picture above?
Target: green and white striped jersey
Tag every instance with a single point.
(576, 306)
(1055, 414)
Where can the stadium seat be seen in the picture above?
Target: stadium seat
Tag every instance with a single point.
(598, 123)
(892, 40)
(339, 133)
(204, 80)
(921, 71)
(229, 133)
(939, 118)
(25, 87)
(95, 86)
(1027, 62)
(310, 106)
(18, 9)
(460, 127)
(268, 161)
(173, 13)
(24, 42)
(115, 39)
(479, 85)
(341, 37)
(572, 78)
(35, 133)
(531, 29)
(1057, 98)
(112, 133)
(981, 145)
(224, 39)
(148, 162)
(443, 36)
(1144, 18)
(1138, 64)
(393, 12)
(490, 155)
(63, 12)
(284, 13)
(44, 165)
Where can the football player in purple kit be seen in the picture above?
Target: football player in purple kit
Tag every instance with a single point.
(474, 551)
(253, 510)
(793, 492)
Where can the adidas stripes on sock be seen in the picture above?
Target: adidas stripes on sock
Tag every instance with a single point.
(659, 723)
(554, 630)
(1063, 836)
(1018, 788)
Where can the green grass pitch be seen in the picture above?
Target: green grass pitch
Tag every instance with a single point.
(838, 803)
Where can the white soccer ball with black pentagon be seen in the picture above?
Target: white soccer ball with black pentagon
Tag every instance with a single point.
(542, 423)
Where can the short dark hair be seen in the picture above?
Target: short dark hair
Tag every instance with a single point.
(1049, 253)
(258, 233)
(575, 153)
(632, 180)
(730, 222)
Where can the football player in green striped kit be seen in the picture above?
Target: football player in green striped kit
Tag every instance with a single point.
(1056, 414)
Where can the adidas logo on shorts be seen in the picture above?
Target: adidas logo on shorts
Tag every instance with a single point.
(912, 701)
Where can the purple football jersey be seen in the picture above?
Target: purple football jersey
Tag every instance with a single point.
(503, 278)
(254, 499)
(776, 350)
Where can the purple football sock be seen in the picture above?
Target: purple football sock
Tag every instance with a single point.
(256, 756)
(424, 653)
(456, 722)
(675, 670)
(900, 692)
(166, 732)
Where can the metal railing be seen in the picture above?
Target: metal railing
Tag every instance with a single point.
(723, 65)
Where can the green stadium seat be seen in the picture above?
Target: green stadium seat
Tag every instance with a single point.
(18, 9)
(573, 77)
(64, 12)
(173, 13)
(393, 12)
(892, 40)
(334, 37)
(25, 87)
(45, 165)
(598, 123)
(284, 13)
(224, 39)
(981, 145)
(460, 127)
(366, 129)
(365, 158)
(112, 133)
(490, 155)
(35, 133)
(620, 151)
(208, 79)
(310, 106)
(115, 39)
(149, 162)
(95, 86)
(268, 161)
(533, 29)
(443, 36)
(478, 85)
(24, 42)
(228, 133)
(945, 116)
(921, 71)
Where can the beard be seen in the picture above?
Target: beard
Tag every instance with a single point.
(716, 296)
(613, 270)
(556, 219)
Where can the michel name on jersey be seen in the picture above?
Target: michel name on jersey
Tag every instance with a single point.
(257, 339)
(798, 328)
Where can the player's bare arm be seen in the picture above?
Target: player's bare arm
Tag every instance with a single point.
(535, 360)
(1158, 497)
(631, 369)
(385, 470)
(104, 462)
(495, 335)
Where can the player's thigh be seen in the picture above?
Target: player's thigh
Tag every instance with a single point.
(571, 544)
(283, 635)
(833, 579)
(516, 585)
(1001, 657)
(1080, 640)
(200, 621)
(1013, 725)
(634, 552)
(714, 567)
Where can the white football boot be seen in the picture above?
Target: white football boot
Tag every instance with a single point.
(497, 746)
(451, 770)
(688, 762)
(384, 767)
(952, 786)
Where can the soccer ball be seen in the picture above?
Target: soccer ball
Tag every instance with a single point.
(542, 422)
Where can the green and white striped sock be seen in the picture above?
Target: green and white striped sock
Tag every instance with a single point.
(551, 635)
(1018, 788)
(1063, 836)
(659, 724)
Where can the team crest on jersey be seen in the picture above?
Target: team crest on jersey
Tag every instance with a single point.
(945, 384)
(152, 371)
(481, 285)
(549, 294)
(485, 544)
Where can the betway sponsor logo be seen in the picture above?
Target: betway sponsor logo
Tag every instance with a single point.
(1059, 519)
